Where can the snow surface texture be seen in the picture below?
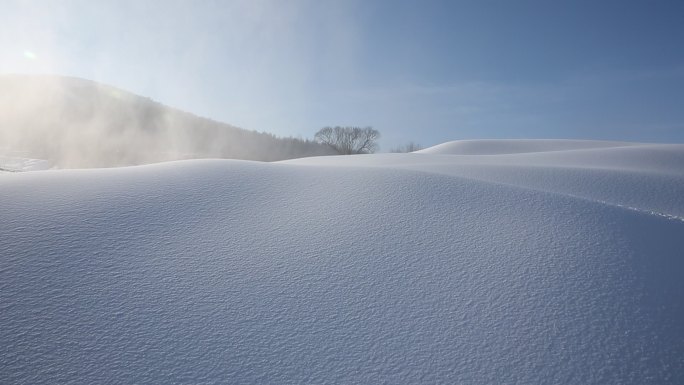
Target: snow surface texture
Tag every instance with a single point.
(554, 263)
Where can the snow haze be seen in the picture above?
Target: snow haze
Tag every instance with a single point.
(76, 123)
(469, 262)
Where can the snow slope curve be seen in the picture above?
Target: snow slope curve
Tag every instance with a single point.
(647, 178)
(358, 272)
(515, 146)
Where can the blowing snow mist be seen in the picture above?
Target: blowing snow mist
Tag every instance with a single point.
(76, 123)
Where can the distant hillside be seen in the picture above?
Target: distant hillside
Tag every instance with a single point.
(79, 123)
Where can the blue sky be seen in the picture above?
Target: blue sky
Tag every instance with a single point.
(424, 71)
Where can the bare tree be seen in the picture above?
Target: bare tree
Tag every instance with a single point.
(349, 140)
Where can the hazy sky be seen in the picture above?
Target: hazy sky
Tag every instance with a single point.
(427, 71)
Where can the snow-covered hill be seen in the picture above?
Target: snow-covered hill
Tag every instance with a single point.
(78, 123)
(561, 263)
(513, 146)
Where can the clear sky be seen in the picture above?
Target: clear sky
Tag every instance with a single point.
(424, 71)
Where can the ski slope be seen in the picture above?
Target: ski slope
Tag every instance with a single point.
(485, 262)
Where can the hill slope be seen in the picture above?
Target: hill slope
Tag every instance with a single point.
(388, 268)
(79, 123)
(514, 146)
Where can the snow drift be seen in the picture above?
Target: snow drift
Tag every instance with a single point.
(555, 266)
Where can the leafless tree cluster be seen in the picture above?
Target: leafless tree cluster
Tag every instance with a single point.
(349, 140)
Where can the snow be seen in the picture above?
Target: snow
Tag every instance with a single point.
(17, 164)
(515, 146)
(558, 265)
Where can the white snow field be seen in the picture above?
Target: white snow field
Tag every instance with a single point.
(470, 262)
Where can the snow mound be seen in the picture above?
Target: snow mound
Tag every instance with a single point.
(388, 268)
(514, 146)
